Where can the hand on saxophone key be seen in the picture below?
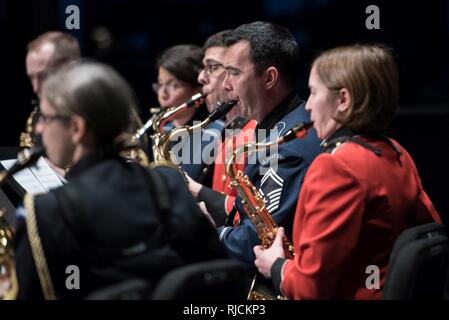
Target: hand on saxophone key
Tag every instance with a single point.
(266, 257)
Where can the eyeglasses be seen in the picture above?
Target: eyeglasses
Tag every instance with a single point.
(170, 86)
(47, 118)
(212, 68)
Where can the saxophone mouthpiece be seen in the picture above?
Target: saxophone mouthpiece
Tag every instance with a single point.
(222, 109)
(298, 131)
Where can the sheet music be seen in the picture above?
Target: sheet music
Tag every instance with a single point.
(39, 178)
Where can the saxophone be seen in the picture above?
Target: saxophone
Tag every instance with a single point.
(133, 149)
(163, 152)
(253, 201)
(155, 125)
(157, 121)
(27, 136)
(8, 278)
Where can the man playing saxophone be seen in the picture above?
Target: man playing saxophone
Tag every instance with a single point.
(260, 62)
(236, 129)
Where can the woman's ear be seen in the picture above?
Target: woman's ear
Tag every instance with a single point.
(344, 101)
(78, 129)
(271, 77)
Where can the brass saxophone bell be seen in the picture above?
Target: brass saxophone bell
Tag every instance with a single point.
(8, 279)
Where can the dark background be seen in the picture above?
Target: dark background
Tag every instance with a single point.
(129, 34)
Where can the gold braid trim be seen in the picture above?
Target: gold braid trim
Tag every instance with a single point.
(37, 250)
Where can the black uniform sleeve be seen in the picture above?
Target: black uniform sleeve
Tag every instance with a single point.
(215, 204)
(191, 233)
(276, 274)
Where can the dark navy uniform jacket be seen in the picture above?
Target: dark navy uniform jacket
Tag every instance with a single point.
(188, 150)
(279, 186)
(109, 223)
(202, 149)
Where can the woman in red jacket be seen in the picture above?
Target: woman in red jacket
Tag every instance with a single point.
(360, 193)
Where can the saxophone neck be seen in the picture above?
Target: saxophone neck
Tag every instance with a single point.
(194, 102)
(220, 111)
(166, 139)
(141, 131)
(247, 148)
(159, 119)
(298, 131)
(163, 117)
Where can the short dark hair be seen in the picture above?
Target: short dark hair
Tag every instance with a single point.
(370, 74)
(183, 61)
(66, 46)
(217, 39)
(270, 45)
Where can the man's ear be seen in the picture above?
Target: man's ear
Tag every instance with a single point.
(271, 77)
(344, 101)
(78, 128)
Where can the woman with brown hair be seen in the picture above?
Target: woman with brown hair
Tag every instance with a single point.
(360, 193)
(178, 68)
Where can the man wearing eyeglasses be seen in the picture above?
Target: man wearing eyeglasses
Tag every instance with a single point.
(211, 77)
(213, 73)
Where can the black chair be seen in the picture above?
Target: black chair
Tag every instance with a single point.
(133, 289)
(419, 264)
(222, 279)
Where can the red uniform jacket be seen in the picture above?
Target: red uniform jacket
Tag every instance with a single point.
(352, 207)
(225, 150)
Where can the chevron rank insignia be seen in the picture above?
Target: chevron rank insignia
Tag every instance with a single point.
(271, 189)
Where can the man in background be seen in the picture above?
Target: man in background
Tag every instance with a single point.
(46, 54)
